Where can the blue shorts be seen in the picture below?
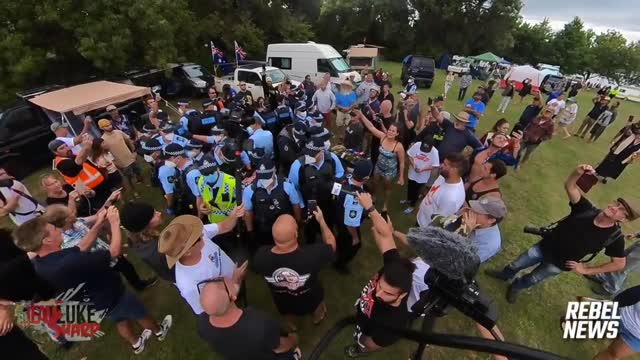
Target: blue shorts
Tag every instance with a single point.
(127, 308)
(628, 338)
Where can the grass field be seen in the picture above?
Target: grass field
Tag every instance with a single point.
(534, 195)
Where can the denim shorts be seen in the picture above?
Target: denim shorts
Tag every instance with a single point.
(628, 338)
(127, 308)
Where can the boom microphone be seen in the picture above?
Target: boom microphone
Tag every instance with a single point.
(450, 253)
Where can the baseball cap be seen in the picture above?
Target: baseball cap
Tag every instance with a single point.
(631, 210)
(183, 102)
(173, 149)
(209, 166)
(151, 146)
(362, 169)
(488, 205)
(135, 216)
(111, 108)
(55, 144)
(57, 125)
(103, 123)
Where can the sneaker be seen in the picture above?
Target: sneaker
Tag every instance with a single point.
(139, 347)
(497, 274)
(408, 210)
(353, 351)
(164, 327)
(404, 202)
(512, 295)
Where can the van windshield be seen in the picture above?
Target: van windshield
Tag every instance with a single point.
(421, 62)
(276, 75)
(339, 65)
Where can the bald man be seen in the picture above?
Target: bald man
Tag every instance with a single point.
(291, 270)
(236, 333)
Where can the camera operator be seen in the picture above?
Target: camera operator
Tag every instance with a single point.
(354, 133)
(384, 299)
(586, 230)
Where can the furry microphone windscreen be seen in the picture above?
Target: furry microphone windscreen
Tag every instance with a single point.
(450, 253)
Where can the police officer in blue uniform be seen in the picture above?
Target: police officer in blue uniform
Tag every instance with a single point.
(188, 116)
(267, 198)
(283, 112)
(301, 111)
(313, 175)
(195, 151)
(208, 119)
(151, 150)
(230, 158)
(350, 214)
(290, 142)
(261, 138)
(178, 176)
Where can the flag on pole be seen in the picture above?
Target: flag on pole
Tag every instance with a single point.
(240, 53)
(217, 55)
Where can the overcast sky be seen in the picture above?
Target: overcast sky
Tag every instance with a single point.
(598, 15)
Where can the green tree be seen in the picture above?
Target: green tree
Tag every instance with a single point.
(570, 47)
(611, 55)
(531, 43)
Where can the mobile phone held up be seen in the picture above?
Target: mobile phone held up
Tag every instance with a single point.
(312, 205)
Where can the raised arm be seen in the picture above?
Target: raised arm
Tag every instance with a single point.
(382, 232)
(115, 247)
(367, 123)
(83, 154)
(570, 186)
(229, 223)
(327, 235)
(90, 238)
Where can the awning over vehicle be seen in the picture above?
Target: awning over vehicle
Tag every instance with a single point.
(488, 57)
(363, 52)
(83, 98)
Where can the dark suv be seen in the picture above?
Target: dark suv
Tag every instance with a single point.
(421, 68)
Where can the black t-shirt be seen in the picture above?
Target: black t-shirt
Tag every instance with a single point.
(68, 167)
(370, 311)
(455, 140)
(597, 110)
(83, 204)
(293, 277)
(354, 136)
(254, 336)
(69, 268)
(576, 237)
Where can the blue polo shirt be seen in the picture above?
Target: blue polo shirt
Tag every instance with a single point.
(167, 176)
(346, 100)
(263, 139)
(295, 169)
(289, 189)
(479, 107)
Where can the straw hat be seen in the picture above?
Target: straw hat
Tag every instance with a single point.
(462, 116)
(179, 236)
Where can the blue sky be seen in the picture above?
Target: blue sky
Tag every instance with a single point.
(598, 15)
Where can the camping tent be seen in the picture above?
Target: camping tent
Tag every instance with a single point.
(488, 57)
(83, 98)
(520, 73)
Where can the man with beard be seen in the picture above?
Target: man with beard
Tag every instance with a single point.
(500, 148)
(77, 171)
(383, 301)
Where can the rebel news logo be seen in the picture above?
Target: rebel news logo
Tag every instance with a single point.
(62, 318)
(591, 320)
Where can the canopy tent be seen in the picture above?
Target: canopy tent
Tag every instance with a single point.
(83, 98)
(519, 73)
(488, 56)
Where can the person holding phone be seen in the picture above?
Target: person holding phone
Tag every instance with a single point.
(586, 230)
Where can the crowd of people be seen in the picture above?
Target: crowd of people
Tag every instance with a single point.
(280, 186)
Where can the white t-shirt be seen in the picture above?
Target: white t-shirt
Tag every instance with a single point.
(26, 209)
(213, 263)
(421, 160)
(557, 105)
(75, 149)
(442, 199)
(417, 285)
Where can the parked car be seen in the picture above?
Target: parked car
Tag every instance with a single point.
(460, 66)
(421, 68)
(252, 75)
(188, 79)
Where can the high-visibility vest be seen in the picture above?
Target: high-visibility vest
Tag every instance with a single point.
(224, 200)
(90, 175)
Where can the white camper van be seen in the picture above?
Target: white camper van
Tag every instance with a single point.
(300, 59)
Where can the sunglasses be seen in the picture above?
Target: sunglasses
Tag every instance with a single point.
(202, 283)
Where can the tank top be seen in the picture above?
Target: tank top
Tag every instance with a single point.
(387, 159)
(470, 194)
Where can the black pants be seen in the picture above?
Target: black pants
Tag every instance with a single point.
(345, 250)
(17, 345)
(461, 93)
(124, 267)
(413, 192)
(312, 228)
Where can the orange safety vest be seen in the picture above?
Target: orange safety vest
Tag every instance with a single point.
(90, 175)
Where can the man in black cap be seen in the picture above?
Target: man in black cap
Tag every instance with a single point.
(313, 174)
(290, 142)
(265, 200)
(350, 214)
(195, 151)
(178, 178)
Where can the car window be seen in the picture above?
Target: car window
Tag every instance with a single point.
(17, 121)
(242, 75)
(193, 71)
(422, 62)
(252, 78)
(280, 62)
(339, 65)
(276, 75)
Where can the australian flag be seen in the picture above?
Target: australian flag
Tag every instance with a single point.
(240, 53)
(217, 55)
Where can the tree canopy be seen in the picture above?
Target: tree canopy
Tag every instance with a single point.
(65, 41)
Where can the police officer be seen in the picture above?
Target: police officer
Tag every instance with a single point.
(216, 192)
(261, 138)
(313, 175)
(267, 198)
(178, 179)
(189, 116)
(271, 122)
(208, 119)
(195, 151)
(169, 135)
(283, 112)
(230, 158)
(350, 214)
(301, 111)
(290, 142)
(151, 150)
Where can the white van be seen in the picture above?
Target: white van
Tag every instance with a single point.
(300, 59)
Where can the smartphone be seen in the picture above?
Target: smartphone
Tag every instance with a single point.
(312, 205)
(586, 182)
